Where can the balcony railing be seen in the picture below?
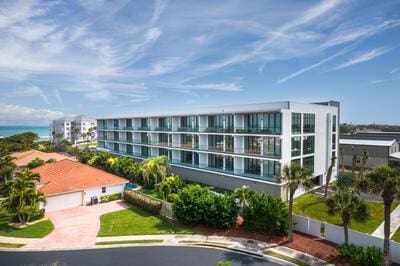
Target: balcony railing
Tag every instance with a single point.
(162, 129)
(258, 130)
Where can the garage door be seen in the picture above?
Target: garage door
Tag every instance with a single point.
(63, 201)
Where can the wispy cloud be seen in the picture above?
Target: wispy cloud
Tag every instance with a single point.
(17, 114)
(394, 70)
(29, 92)
(58, 96)
(364, 57)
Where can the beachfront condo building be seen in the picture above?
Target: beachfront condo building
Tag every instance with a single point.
(74, 129)
(231, 146)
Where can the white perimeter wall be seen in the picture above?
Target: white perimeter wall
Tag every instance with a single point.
(97, 192)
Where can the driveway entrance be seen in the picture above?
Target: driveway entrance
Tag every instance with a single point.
(75, 227)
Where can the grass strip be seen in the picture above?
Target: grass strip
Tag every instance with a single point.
(223, 244)
(140, 241)
(284, 257)
(11, 245)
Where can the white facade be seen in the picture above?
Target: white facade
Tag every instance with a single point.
(250, 142)
(79, 198)
(74, 129)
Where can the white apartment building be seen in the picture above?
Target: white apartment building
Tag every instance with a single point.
(231, 146)
(74, 129)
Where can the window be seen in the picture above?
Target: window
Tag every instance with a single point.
(163, 152)
(129, 123)
(103, 190)
(215, 121)
(144, 138)
(272, 123)
(296, 123)
(116, 147)
(296, 161)
(216, 142)
(163, 138)
(252, 145)
(334, 123)
(333, 141)
(216, 161)
(252, 121)
(308, 144)
(252, 166)
(229, 163)
(186, 140)
(229, 122)
(271, 169)
(187, 157)
(144, 151)
(144, 122)
(308, 162)
(296, 146)
(163, 122)
(272, 146)
(309, 123)
(186, 121)
(229, 143)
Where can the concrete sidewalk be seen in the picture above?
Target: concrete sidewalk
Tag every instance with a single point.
(233, 243)
(394, 224)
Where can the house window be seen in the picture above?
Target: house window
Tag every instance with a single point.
(103, 190)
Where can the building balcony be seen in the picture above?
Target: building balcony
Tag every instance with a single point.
(258, 130)
(187, 129)
(161, 129)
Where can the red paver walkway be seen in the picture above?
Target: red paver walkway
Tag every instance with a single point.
(75, 227)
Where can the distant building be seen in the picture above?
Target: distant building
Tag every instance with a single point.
(74, 129)
(383, 148)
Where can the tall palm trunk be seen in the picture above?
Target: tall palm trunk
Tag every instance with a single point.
(290, 217)
(386, 240)
(346, 221)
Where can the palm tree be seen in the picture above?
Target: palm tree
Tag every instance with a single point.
(23, 199)
(329, 174)
(154, 168)
(75, 133)
(349, 205)
(7, 167)
(341, 153)
(384, 180)
(294, 176)
(365, 158)
(243, 194)
(354, 164)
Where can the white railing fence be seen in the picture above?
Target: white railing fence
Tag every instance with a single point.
(335, 234)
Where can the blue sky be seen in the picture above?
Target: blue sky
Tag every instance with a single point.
(101, 57)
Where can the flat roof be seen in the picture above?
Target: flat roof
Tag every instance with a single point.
(228, 109)
(367, 142)
(395, 155)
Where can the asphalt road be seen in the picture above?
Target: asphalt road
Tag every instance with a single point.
(143, 256)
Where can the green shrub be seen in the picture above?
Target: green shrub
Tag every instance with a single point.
(195, 205)
(371, 256)
(51, 160)
(192, 205)
(223, 212)
(266, 214)
(35, 163)
(173, 197)
(143, 201)
(111, 197)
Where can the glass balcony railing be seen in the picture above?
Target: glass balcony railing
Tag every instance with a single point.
(145, 128)
(237, 172)
(187, 129)
(258, 130)
(162, 129)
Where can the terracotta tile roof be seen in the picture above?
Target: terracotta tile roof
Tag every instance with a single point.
(67, 176)
(25, 157)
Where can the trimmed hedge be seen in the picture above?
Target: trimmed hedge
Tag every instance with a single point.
(143, 201)
(111, 197)
(370, 256)
(266, 214)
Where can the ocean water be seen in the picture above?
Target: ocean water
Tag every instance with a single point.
(42, 131)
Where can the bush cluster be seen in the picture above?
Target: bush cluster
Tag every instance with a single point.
(111, 197)
(143, 201)
(35, 163)
(196, 205)
(371, 256)
(266, 214)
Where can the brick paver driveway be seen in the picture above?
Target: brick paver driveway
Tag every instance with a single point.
(75, 227)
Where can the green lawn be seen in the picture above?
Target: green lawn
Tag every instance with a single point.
(396, 236)
(151, 192)
(314, 207)
(37, 230)
(135, 221)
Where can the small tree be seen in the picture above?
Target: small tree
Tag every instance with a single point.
(154, 168)
(349, 205)
(341, 154)
(243, 194)
(365, 158)
(385, 181)
(7, 168)
(329, 175)
(294, 176)
(23, 198)
(354, 164)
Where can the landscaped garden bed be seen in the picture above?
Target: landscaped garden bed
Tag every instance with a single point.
(135, 221)
(314, 207)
